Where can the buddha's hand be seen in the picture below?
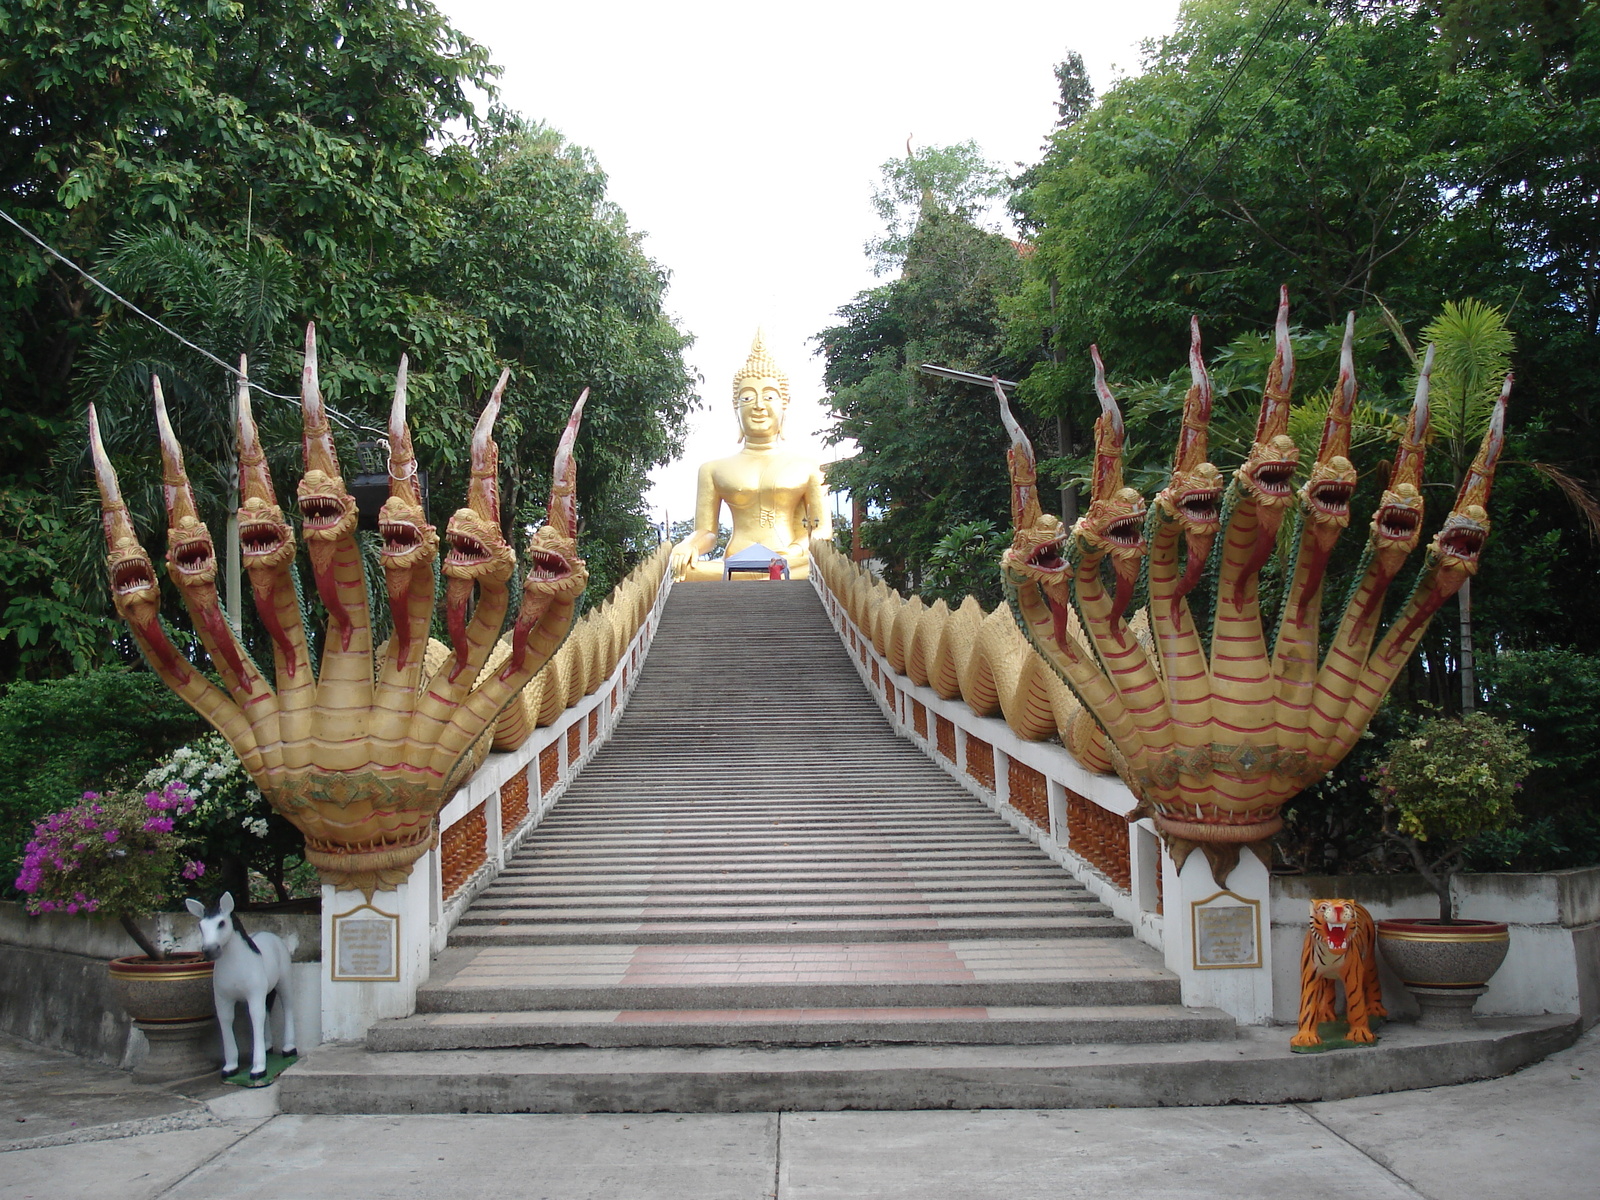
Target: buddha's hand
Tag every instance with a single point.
(682, 556)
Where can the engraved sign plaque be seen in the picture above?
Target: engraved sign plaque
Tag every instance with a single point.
(1227, 932)
(366, 946)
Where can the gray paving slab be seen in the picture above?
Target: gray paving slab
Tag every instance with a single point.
(130, 1168)
(1149, 1154)
(1534, 1135)
(603, 1157)
(48, 1094)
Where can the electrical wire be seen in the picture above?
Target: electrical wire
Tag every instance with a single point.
(1222, 155)
(170, 332)
(1200, 125)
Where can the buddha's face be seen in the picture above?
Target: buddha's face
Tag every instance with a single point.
(760, 408)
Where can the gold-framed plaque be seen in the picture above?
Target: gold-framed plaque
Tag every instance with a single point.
(366, 946)
(1226, 932)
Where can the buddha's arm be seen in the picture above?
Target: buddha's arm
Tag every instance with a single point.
(704, 537)
(817, 506)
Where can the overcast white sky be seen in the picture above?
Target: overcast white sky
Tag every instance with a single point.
(745, 140)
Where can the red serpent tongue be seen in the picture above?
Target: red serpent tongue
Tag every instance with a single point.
(531, 615)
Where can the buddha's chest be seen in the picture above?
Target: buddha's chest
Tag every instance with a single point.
(775, 485)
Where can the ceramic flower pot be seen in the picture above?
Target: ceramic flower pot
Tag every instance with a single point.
(1445, 966)
(170, 1001)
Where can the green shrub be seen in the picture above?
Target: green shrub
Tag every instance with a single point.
(91, 731)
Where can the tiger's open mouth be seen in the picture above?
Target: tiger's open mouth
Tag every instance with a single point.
(132, 575)
(1332, 497)
(1338, 935)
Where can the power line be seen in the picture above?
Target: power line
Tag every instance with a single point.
(168, 330)
(1216, 102)
(1222, 155)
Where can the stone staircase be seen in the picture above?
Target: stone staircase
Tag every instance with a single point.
(755, 897)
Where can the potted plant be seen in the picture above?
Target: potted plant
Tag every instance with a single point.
(1453, 779)
(117, 855)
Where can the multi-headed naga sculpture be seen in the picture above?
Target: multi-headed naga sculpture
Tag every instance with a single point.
(362, 755)
(1213, 735)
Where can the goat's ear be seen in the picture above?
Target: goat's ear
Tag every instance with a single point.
(225, 905)
(195, 907)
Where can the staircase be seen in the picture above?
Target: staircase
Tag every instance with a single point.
(757, 897)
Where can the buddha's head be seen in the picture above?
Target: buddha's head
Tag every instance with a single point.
(760, 395)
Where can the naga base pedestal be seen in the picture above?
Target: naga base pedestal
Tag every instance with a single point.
(178, 1050)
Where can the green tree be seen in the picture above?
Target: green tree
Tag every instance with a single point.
(956, 180)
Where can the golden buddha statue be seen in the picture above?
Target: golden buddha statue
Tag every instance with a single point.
(775, 496)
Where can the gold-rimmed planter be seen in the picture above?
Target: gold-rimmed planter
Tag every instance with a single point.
(170, 1001)
(1446, 966)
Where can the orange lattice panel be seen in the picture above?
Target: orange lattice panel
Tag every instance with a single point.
(613, 700)
(875, 680)
(574, 741)
(980, 761)
(1029, 795)
(513, 802)
(919, 719)
(462, 850)
(946, 732)
(594, 725)
(1100, 837)
(549, 767)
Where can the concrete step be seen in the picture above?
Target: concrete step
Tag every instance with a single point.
(1255, 1067)
(881, 929)
(977, 1025)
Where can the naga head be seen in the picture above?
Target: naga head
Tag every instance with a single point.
(134, 589)
(408, 540)
(1114, 524)
(1459, 543)
(1038, 539)
(1325, 498)
(477, 550)
(1267, 475)
(1193, 497)
(327, 509)
(1397, 525)
(191, 554)
(555, 571)
(266, 542)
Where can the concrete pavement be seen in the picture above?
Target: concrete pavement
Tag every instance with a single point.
(1529, 1136)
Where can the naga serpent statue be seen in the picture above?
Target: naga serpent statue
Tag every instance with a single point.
(362, 755)
(1213, 734)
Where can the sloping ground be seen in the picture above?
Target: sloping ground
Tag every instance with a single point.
(756, 897)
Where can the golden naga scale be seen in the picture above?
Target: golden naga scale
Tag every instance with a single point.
(363, 754)
(1213, 734)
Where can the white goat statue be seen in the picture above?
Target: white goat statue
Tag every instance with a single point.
(249, 966)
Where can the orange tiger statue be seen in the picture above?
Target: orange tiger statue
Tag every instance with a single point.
(1339, 945)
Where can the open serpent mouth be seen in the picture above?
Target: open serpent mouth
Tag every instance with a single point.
(132, 575)
(399, 537)
(1398, 522)
(465, 550)
(1202, 507)
(1125, 531)
(321, 512)
(260, 539)
(1333, 497)
(1048, 557)
(1274, 478)
(1464, 540)
(193, 556)
(546, 567)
